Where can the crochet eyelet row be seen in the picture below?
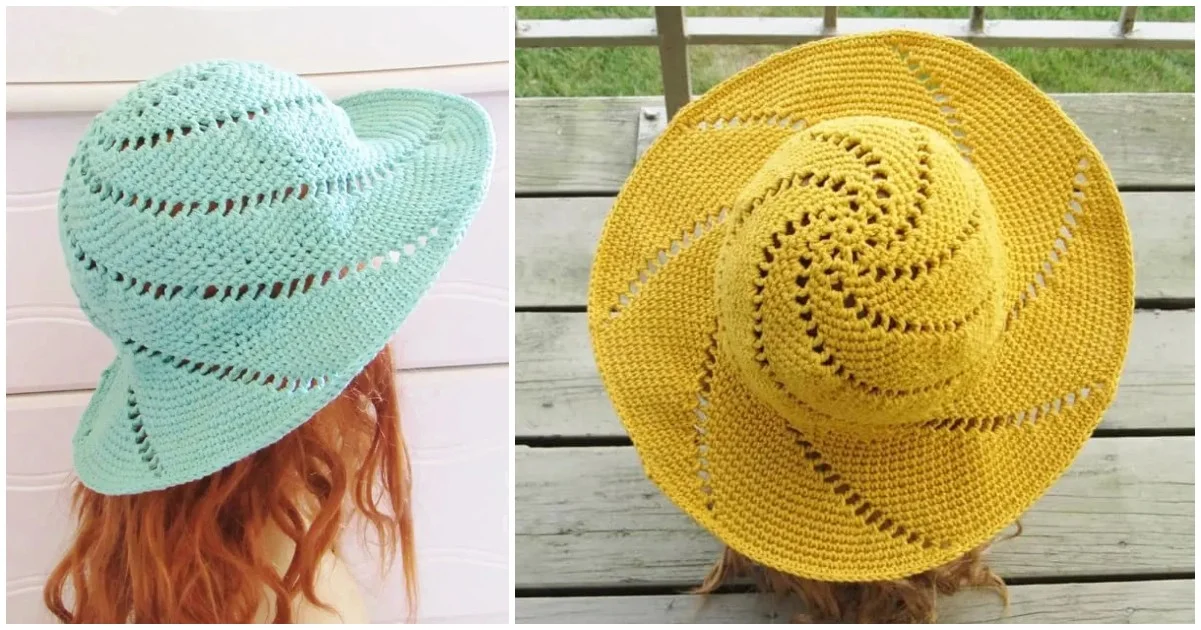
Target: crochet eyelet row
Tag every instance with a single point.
(802, 297)
(701, 412)
(851, 145)
(202, 125)
(673, 249)
(772, 119)
(870, 513)
(141, 437)
(277, 290)
(350, 183)
(1024, 418)
(233, 373)
(1059, 247)
(941, 99)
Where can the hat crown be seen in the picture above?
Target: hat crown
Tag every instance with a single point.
(863, 275)
(246, 126)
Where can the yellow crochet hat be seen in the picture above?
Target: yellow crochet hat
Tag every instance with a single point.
(862, 303)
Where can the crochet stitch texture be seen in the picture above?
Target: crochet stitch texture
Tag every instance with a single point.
(860, 305)
(249, 245)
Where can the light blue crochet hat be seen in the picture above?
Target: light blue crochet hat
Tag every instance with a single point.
(249, 246)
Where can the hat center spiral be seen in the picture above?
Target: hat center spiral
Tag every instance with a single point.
(863, 274)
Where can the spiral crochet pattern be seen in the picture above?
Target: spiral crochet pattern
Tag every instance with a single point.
(249, 245)
(861, 304)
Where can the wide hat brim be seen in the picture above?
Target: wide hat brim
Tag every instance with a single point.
(160, 419)
(812, 497)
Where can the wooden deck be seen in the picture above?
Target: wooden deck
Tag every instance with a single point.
(1111, 542)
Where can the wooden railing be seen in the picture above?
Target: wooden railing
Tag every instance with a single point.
(672, 32)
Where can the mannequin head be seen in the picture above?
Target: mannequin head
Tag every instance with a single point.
(195, 552)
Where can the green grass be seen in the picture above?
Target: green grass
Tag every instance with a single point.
(634, 70)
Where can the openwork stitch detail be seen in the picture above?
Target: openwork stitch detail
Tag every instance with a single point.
(892, 323)
(926, 267)
(1027, 417)
(174, 209)
(141, 438)
(349, 183)
(818, 346)
(808, 177)
(916, 271)
(870, 514)
(233, 373)
(772, 119)
(941, 99)
(664, 256)
(882, 194)
(855, 303)
(918, 207)
(847, 142)
(701, 412)
(171, 91)
(280, 289)
(1059, 247)
(803, 298)
(217, 122)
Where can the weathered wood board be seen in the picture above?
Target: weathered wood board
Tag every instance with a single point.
(559, 392)
(1154, 601)
(588, 145)
(589, 517)
(556, 240)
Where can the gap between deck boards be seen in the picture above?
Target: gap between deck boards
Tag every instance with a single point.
(625, 590)
(610, 194)
(612, 441)
(1140, 304)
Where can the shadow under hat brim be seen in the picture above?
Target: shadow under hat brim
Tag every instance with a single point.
(811, 497)
(196, 422)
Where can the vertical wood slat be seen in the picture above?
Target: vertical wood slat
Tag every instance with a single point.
(673, 58)
(830, 18)
(1126, 20)
(976, 24)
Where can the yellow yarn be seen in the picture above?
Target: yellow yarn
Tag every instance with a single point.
(861, 304)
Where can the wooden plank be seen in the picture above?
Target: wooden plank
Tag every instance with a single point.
(589, 517)
(1157, 601)
(559, 393)
(587, 145)
(798, 30)
(556, 240)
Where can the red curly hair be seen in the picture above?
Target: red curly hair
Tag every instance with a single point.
(193, 553)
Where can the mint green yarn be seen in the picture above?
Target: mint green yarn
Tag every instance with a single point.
(249, 246)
